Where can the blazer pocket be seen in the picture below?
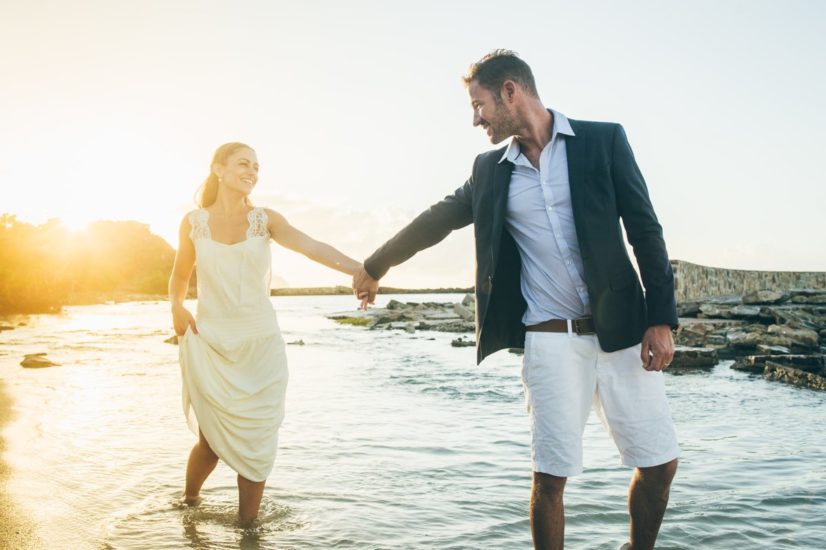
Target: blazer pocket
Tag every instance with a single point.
(623, 279)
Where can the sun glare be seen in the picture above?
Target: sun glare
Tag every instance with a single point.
(76, 222)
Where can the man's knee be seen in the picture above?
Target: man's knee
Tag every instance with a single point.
(548, 486)
(661, 475)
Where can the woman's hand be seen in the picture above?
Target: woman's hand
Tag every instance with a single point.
(181, 319)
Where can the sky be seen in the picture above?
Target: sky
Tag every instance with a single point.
(112, 109)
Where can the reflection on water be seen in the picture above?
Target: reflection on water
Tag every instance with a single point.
(391, 440)
(211, 524)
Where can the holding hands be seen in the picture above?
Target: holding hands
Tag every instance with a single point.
(365, 287)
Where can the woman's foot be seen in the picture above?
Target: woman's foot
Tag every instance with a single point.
(187, 500)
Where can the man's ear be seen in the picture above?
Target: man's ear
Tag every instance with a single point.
(508, 90)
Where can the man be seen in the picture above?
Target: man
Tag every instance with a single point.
(553, 276)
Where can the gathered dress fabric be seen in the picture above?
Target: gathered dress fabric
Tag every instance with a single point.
(234, 371)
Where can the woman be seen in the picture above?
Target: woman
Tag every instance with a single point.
(233, 364)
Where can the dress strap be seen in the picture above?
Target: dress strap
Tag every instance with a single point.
(199, 228)
(258, 223)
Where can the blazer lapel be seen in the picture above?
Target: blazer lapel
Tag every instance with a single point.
(577, 174)
(501, 183)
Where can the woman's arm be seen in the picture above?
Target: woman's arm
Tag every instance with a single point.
(290, 237)
(179, 280)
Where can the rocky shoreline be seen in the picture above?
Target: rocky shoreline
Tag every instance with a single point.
(780, 335)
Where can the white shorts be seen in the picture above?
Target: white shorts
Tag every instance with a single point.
(565, 374)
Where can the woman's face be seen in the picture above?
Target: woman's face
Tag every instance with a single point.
(240, 173)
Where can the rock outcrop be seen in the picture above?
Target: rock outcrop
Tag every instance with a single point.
(412, 316)
(37, 361)
(761, 322)
(782, 328)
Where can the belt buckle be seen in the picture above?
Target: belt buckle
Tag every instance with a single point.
(577, 328)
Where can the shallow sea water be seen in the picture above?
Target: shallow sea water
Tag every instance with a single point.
(391, 440)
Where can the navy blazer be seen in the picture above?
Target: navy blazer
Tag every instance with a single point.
(606, 187)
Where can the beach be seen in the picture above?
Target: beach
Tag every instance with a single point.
(15, 531)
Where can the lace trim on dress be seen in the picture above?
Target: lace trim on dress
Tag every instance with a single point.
(199, 228)
(199, 225)
(258, 223)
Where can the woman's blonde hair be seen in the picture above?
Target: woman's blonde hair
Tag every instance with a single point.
(208, 191)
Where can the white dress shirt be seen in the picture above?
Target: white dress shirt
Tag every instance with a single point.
(540, 219)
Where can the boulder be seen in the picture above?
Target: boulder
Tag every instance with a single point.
(692, 334)
(746, 337)
(815, 299)
(37, 361)
(765, 349)
(464, 312)
(407, 327)
(714, 311)
(688, 309)
(807, 292)
(694, 357)
(447, 326)
(396, 305)
(796, 316)
(728, 300)
(791, 375)
(469, 301)
(756, 363)
(745, 312)
(461, 342)
(801, 337)
(716, 341)
(766, 297)
(172, 340)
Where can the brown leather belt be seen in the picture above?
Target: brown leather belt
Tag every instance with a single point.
(578, 326)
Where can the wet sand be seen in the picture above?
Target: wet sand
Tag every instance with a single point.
(15, 531)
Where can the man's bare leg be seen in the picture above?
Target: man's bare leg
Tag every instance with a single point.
(202, 460)
(647, 500)
(548, 511)
(249, 499)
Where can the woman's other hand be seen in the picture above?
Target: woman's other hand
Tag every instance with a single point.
(181, 319)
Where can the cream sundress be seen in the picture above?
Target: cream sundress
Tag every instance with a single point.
(234, 370)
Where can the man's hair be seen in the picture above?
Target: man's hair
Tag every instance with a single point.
(498, 66)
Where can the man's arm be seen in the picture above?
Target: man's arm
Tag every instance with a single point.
(428, 228)
(646, 238)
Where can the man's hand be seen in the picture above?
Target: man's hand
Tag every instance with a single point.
(365, 287)
(657, 348)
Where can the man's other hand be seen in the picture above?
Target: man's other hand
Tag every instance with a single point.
(657, 348)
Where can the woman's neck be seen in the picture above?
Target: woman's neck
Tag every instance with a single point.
(229, 203)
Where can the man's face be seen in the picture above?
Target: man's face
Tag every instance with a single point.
(491, 113)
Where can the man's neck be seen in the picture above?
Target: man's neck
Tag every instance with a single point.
(537, 134)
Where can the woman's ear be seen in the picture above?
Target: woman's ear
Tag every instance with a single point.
(218, 170)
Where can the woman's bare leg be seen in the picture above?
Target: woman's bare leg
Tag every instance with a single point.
(202, 460)
(249, 499)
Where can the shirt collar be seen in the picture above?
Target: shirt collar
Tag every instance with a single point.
(561, 126)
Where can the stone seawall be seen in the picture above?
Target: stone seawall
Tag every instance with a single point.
(694, 282)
